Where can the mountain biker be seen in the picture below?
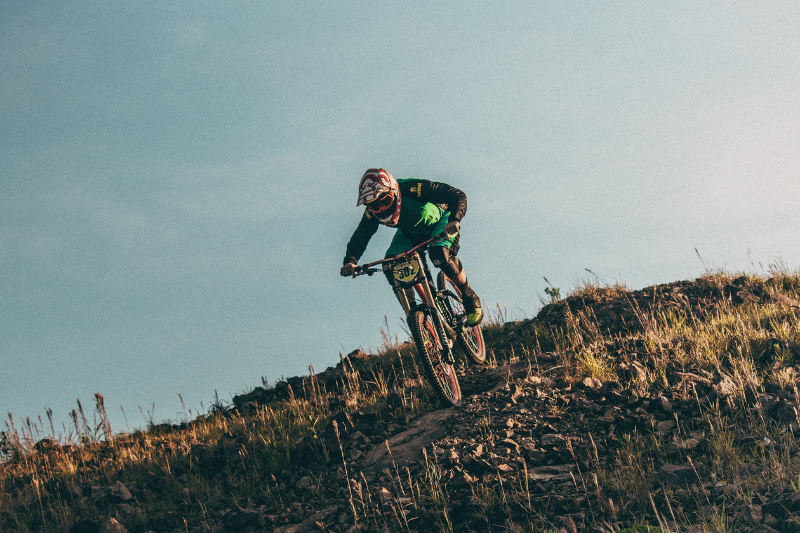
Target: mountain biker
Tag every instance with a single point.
(419, 209)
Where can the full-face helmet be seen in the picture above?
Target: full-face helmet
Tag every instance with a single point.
(380, 192)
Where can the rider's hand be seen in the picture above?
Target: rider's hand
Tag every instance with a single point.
(452, 228)
(348, 269)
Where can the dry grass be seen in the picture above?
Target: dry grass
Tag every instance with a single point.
(182, 474)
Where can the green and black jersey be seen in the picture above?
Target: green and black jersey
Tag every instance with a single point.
(423, 205)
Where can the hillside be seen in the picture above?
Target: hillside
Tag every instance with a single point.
(671, 407)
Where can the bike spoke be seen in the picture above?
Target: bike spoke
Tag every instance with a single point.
(444, 375)
(469, 338)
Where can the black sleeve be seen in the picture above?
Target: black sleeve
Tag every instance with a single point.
(441, 193)
(361, 236)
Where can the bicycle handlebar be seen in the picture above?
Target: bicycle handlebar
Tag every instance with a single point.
(368, 269)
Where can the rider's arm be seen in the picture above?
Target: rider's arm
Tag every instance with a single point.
(361, 236)
(442, 193)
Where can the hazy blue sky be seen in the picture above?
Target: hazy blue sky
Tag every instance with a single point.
(178, 179)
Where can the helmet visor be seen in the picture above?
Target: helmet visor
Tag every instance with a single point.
(382, 203)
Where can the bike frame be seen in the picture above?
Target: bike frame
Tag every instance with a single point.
(421, 285)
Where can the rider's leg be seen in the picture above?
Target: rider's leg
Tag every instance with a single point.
(444, 257)
(400, 243)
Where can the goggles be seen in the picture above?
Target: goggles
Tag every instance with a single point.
(382, 203)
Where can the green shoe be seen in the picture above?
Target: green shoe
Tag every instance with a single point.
(472, 305)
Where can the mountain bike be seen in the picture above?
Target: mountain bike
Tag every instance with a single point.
(435, 316)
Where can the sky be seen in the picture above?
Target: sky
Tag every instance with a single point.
(178, 180)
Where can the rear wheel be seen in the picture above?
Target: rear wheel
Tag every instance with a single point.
(441, 375)
(470, 339)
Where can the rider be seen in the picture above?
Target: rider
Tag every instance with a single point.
(419, 209)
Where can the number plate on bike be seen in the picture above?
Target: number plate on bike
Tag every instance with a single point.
(406, 271)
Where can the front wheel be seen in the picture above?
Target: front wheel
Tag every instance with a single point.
(469, 338)
(441, 374)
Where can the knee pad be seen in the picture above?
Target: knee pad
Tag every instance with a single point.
(443, 259)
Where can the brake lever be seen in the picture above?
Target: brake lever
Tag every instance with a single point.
(360, 271)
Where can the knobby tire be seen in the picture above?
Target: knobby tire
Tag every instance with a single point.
(441, 375)
(470, 339)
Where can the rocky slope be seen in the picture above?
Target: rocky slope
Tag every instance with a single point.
(527, 450)
(543, 442)
(531, 450)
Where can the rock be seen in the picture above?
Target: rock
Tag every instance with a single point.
(610, 415)
(778, 298)
(116, 493)
(110, 525)
(610, 386)
(687, 444)
(747, 296)
(726, 387)
(509, 444)
(665, 404)
(637, 371)
(244, 519)
(304, 482)
(770, 520)
(778, 508)
(125, 509)
(479, 466)
(384, 495)
(46, 446)
(790, 526)
(119, 493)
(688, 377)
(451, 457)
(551, 473)
(592, 383)
(407, 446)
(552, 439)
(753, 514)
(665, 426)
(477, 450)
(677, 475)
(761, 528)
(768, 402)
(296, 512)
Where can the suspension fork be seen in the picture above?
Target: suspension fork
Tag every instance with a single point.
(423, 289)
(405, 297)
